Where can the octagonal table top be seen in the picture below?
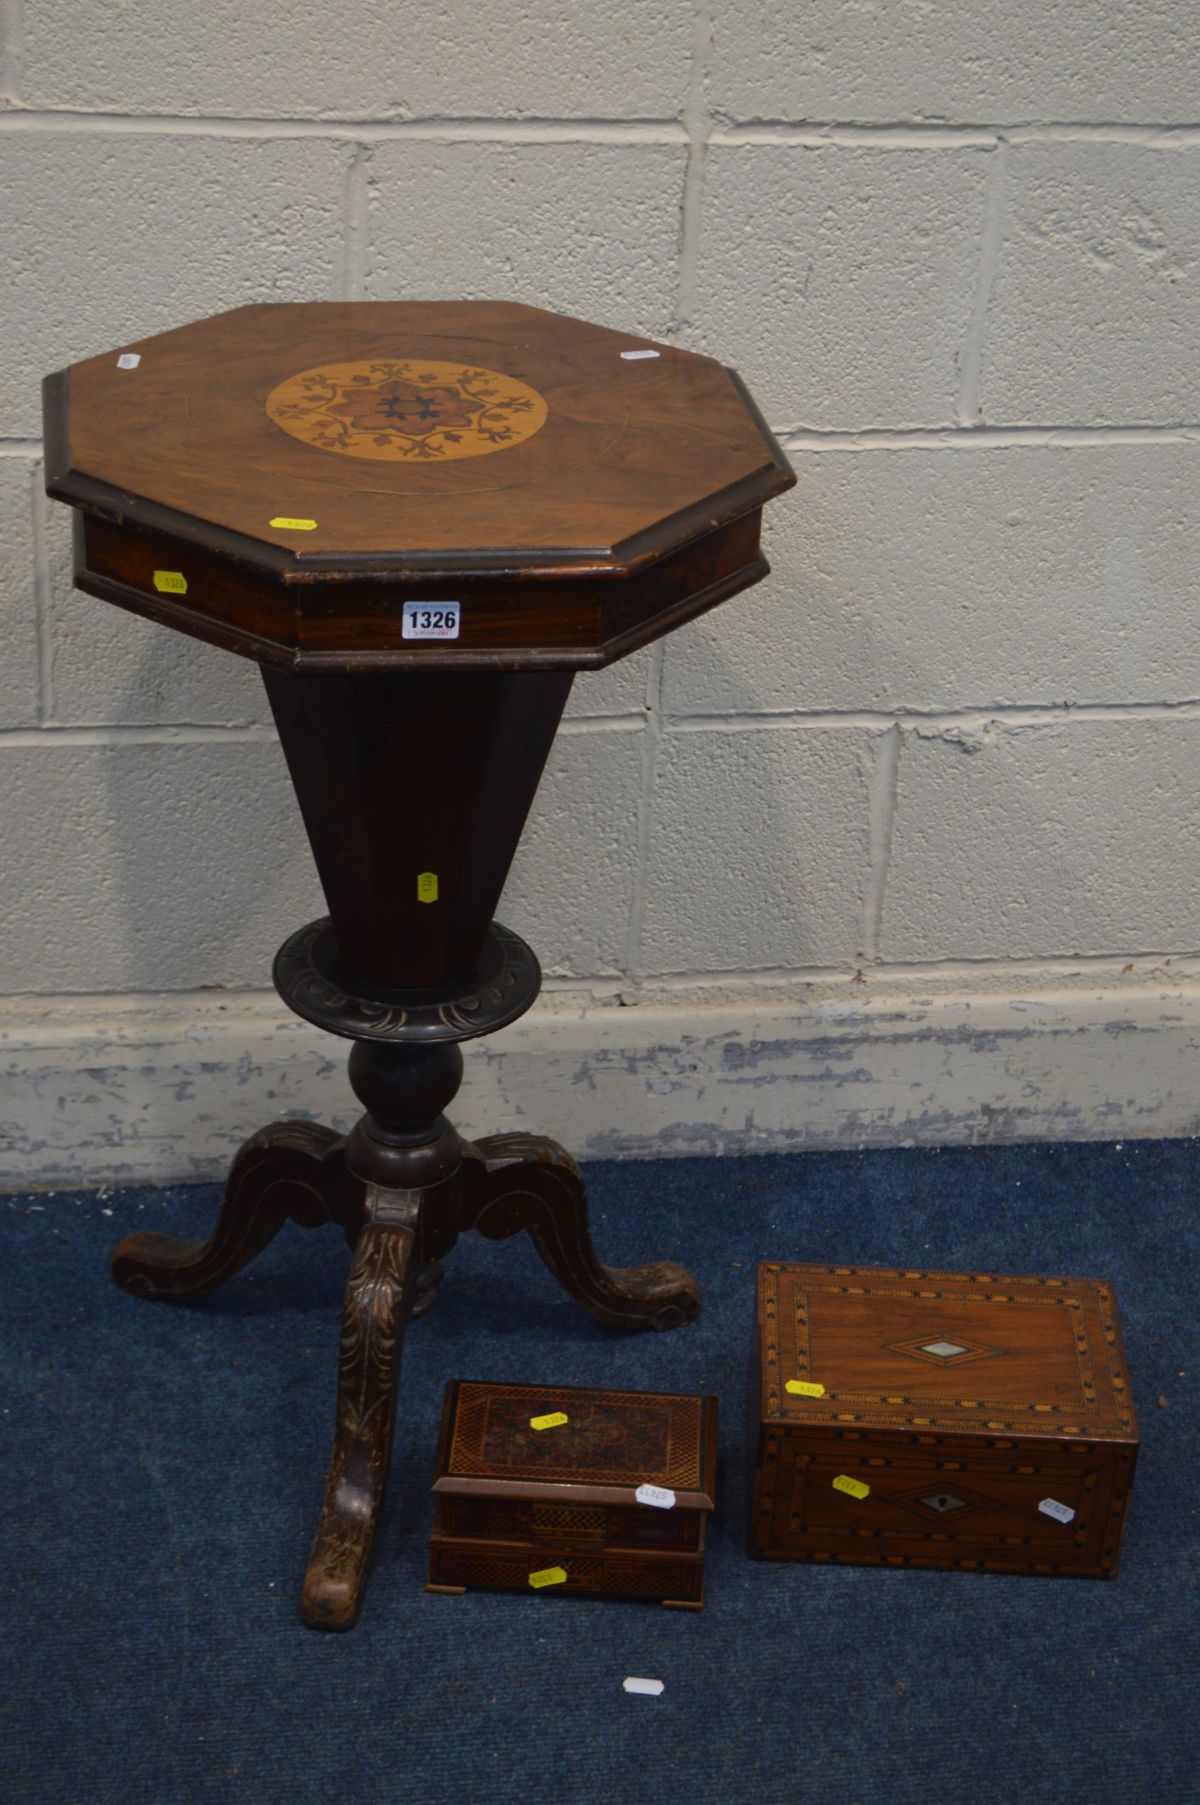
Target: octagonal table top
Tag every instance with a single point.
(484, 443)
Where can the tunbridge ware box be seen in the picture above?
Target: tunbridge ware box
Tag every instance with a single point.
(555, 1489)
(939, 1419)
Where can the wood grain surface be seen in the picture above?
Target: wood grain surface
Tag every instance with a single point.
(626, 446)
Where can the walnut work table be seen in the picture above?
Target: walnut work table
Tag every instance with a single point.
(420, 519)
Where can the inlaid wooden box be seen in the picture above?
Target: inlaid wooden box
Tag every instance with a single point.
(937, 1419)
(556, 1509)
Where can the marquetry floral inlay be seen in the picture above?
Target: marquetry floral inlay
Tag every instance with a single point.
(407, 410)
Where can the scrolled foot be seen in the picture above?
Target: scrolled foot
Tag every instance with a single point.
(517, 1181)
(289, 1169)
(379, 1298)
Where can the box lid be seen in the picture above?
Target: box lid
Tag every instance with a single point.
(979, 1353)
(612, 1443)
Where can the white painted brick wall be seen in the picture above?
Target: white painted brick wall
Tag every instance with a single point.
(956, 253)
(574, 875)
(916, 579)
(757, 850)
(596, 226)
(1096, 307)
(1041, 839)
(882, 61)
(138, 864)
(840, 280)
(20, 477)
(365, 60)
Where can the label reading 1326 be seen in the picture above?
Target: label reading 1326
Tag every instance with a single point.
(432, 620)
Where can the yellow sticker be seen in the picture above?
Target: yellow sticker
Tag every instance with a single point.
(801, 1388)
(170, 582)
(553, 1421)
(427, 886)
(547, 1576)
(855, 1487)
(293, 526)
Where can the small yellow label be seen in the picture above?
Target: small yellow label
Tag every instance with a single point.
(547, 1576)
(855, 1487)
(554, 1421)
(802, 1388)
(427, 886)
(170, 582)
(293, 526)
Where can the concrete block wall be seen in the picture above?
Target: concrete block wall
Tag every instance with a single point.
(931, 786)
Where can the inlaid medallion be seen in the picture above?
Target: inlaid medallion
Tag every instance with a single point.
(407, 410)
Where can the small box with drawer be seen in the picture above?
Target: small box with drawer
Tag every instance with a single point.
(561, 1490)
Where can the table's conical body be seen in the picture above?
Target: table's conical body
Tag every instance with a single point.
(415, 786)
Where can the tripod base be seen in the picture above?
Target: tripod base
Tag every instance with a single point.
(402, 1187)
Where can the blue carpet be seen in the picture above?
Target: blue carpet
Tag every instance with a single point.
(164, 1465)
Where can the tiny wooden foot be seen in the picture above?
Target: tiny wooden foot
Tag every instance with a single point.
(289, 1169)
(379, 1298)
(516, 1181)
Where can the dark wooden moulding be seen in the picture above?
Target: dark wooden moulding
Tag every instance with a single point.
(512, 1501)
(963, 1402)
(624, 500)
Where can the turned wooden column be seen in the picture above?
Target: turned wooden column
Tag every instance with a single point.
(420, 519)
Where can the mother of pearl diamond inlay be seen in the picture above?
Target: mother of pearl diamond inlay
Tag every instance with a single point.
(943, 1349)
(953, 1503)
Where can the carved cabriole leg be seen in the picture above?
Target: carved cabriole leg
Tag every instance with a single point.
(290, 1169)
(517, 1181)
(408, 1159)
(379, 1299)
